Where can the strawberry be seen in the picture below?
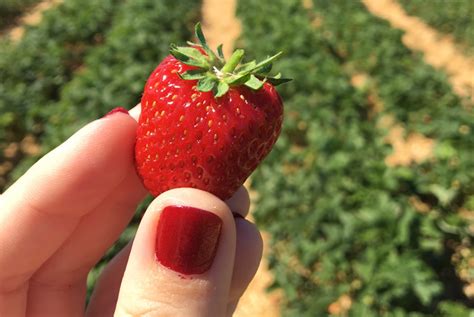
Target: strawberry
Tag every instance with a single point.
(206, 123)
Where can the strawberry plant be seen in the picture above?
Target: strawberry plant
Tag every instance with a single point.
(98, 88)
(12, 9)
(342, 222)
(452, 19)
(34, 69)
(111, 73)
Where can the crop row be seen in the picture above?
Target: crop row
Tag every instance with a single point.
(114, 74)
(450, 17)
(83, 59)
(343, 223)
(12, 9)
(34, 69)
(416, 94)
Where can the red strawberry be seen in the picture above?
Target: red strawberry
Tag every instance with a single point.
(206, 123)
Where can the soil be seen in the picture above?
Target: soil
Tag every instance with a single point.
(220, 24)
(31, 17)
(414, 148)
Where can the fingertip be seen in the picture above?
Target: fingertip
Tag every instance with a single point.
(171, 254)
(239, 203)
(114, 111)
(248, 255)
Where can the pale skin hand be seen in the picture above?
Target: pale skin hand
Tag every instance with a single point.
(60, 217)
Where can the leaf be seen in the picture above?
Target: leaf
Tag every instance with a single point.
(221, 89)
(202, 40)
(266, 61)
(238, 79)
(445, 196)
(220, 52)
(193, 74)
(265, 69)
(200, 35)
(277, 81)
(254, 83)
(190, 56)
(426, 290)
(206, 84)
(246, 67)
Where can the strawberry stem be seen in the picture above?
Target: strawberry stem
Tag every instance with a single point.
(233, 61)
(216, 74)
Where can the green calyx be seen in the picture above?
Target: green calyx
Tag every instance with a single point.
(215, 74)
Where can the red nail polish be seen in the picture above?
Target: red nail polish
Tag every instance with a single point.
(116, 110)
(187, 238)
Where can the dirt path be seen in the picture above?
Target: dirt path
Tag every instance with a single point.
(414, 148)
(31, 17)
(439, 50)
(221, 26)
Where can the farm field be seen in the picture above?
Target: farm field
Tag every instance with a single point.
(454, 20)
(367, 199)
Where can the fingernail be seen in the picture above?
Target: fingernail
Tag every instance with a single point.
(187, 238)
(116, 110)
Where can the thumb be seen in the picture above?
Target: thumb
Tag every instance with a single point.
(182, 258)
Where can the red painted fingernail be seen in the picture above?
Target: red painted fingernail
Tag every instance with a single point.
(116, 110)
(187, 238)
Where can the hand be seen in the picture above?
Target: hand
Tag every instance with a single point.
(60, 217)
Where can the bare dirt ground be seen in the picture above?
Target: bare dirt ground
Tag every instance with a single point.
(32, 17)
(221, 26)
(439, 50)
(411, 149)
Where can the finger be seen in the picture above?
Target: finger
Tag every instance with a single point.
(135, 112)
(182, 258)
(40, 211)
(239, 203)
(248, 255)
(60, 283)
(106, 290)
(105, 294)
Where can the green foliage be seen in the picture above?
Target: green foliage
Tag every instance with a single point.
(34, 70)
(114, 74)
(454, 17)
(342, 222)
(11, 9)
(81, 61)
(326, 196)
